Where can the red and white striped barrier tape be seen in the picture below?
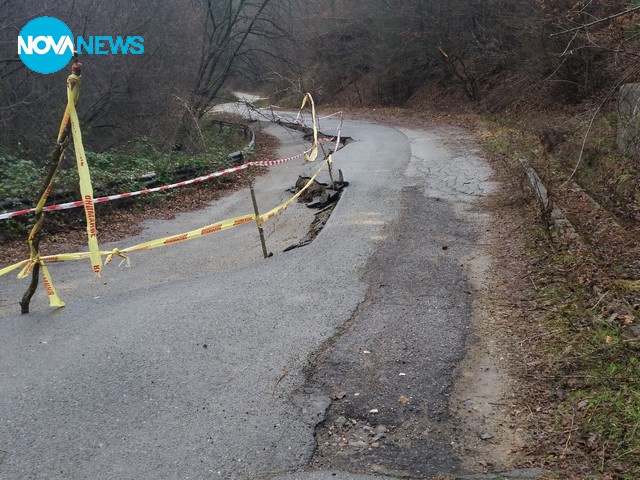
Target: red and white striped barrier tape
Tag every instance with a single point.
(272, 163)
(264, 163)
(69, 205)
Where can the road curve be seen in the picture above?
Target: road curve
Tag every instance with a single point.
(195, 362)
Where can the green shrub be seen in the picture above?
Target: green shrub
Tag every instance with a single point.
(119, 170)
(20, 177)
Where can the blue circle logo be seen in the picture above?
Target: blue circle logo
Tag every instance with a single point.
(45, 45)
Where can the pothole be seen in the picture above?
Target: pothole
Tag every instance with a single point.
(322, 196)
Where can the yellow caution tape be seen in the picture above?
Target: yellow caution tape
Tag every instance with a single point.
(86, 189)
(28, 268)
(45, 195)
(70, 115)
(280, 208)
(10, 268)
(54, 299)
(116, 252)
(314, 150)
(199, 232)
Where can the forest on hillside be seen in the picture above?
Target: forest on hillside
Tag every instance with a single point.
(495, 55)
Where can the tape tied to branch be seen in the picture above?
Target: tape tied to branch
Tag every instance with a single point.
(55, 301)
(314, 150)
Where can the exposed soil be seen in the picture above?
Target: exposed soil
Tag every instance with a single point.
(391, 366)
(602, 251)
(493, 426)
(493, 401)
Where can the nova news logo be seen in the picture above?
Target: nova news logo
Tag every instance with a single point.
(46, 45)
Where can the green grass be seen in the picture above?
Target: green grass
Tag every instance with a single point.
(123, 167)
(496, 146)
(18, 176)
(598, 366)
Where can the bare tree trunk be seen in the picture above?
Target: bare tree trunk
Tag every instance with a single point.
(226, 27)
(34, 242)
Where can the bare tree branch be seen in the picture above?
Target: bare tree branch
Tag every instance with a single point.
(587, 25)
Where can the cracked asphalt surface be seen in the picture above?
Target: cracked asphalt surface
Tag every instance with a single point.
(405, 342)
(198, 361)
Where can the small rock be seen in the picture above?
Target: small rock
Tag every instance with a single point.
(340, 422)
(486, 436)
(339, 395)
(375, 445)
(358, 444)
(381, 429)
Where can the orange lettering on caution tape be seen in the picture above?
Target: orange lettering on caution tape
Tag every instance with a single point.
(91, 215)
(48, 190)
(177, 238)
(211, 229)
(242, 221)
(47, 286)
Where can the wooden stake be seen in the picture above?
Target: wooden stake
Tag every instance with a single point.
(257, 212)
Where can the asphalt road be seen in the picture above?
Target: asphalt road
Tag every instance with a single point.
(204, 360)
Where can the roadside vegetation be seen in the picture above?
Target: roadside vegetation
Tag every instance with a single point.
(134, 165)
(580, 351)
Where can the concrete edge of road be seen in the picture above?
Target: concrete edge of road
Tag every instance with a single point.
(550, 211)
